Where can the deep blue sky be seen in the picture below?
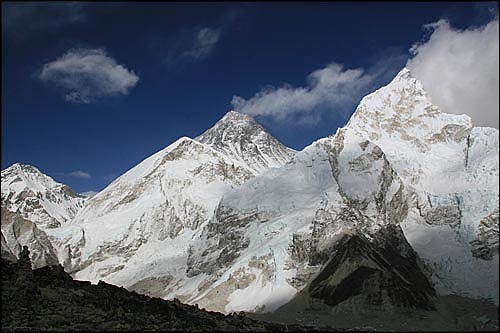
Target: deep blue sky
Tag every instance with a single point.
(259, 44)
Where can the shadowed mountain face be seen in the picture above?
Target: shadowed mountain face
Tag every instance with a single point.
(382, 272)
(49, 299)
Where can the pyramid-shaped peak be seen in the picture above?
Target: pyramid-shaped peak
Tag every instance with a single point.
(405, 80)
(239, 136)
(19, 177)
(404, 98)
(403, 110)
(20, 167)
(237, 119)
(232, 126)
(234, 115)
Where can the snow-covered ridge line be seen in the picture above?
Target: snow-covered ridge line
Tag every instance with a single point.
(37, 197)
(138, 229)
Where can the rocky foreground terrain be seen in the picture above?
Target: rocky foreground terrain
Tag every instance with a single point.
(49, 299)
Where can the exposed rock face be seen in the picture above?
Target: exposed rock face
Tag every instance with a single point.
(221, 244)
(37, 197)
(382, 272)
(6, 251)
(18, 232)
(49, 299)
(486, 244)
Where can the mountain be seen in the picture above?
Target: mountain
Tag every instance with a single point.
(451, 168)
(136, 232)
(274, 233)
(399, 160)
(89, 194)
(37, 197)
(383, 271)
(6, 251)
(242, 139)
(33, 203)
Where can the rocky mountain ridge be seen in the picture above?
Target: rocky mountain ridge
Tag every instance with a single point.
(37, 197)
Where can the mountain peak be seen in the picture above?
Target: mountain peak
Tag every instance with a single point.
(38, 197)
(233, 127)
(236, 116)
(230, 127)
(28, 174)
(240, 137)
(404, 73)
(403, 107)
(20, 167)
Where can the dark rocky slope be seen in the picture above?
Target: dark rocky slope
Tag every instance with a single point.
(384, 271)
(49, 299)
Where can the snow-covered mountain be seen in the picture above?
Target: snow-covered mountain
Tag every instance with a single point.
(37, 197)
(242, 139)
(399, 160)
(233, 220)
(451, 168)
(270, 236)
(139, 227)
(32, 203)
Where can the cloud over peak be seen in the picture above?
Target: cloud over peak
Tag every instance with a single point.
(332, 87)
(85, 75)
(460, 70)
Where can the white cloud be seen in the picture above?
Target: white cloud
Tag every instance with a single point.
(203, 42)
(192, 45)
(89, 194)
(79, 174)
(332, 87)
(75, 174)
(85, 75)
(459, 69)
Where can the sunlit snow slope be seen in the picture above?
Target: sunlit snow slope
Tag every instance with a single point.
(398, 160)
(136, 232)
(37, 197)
